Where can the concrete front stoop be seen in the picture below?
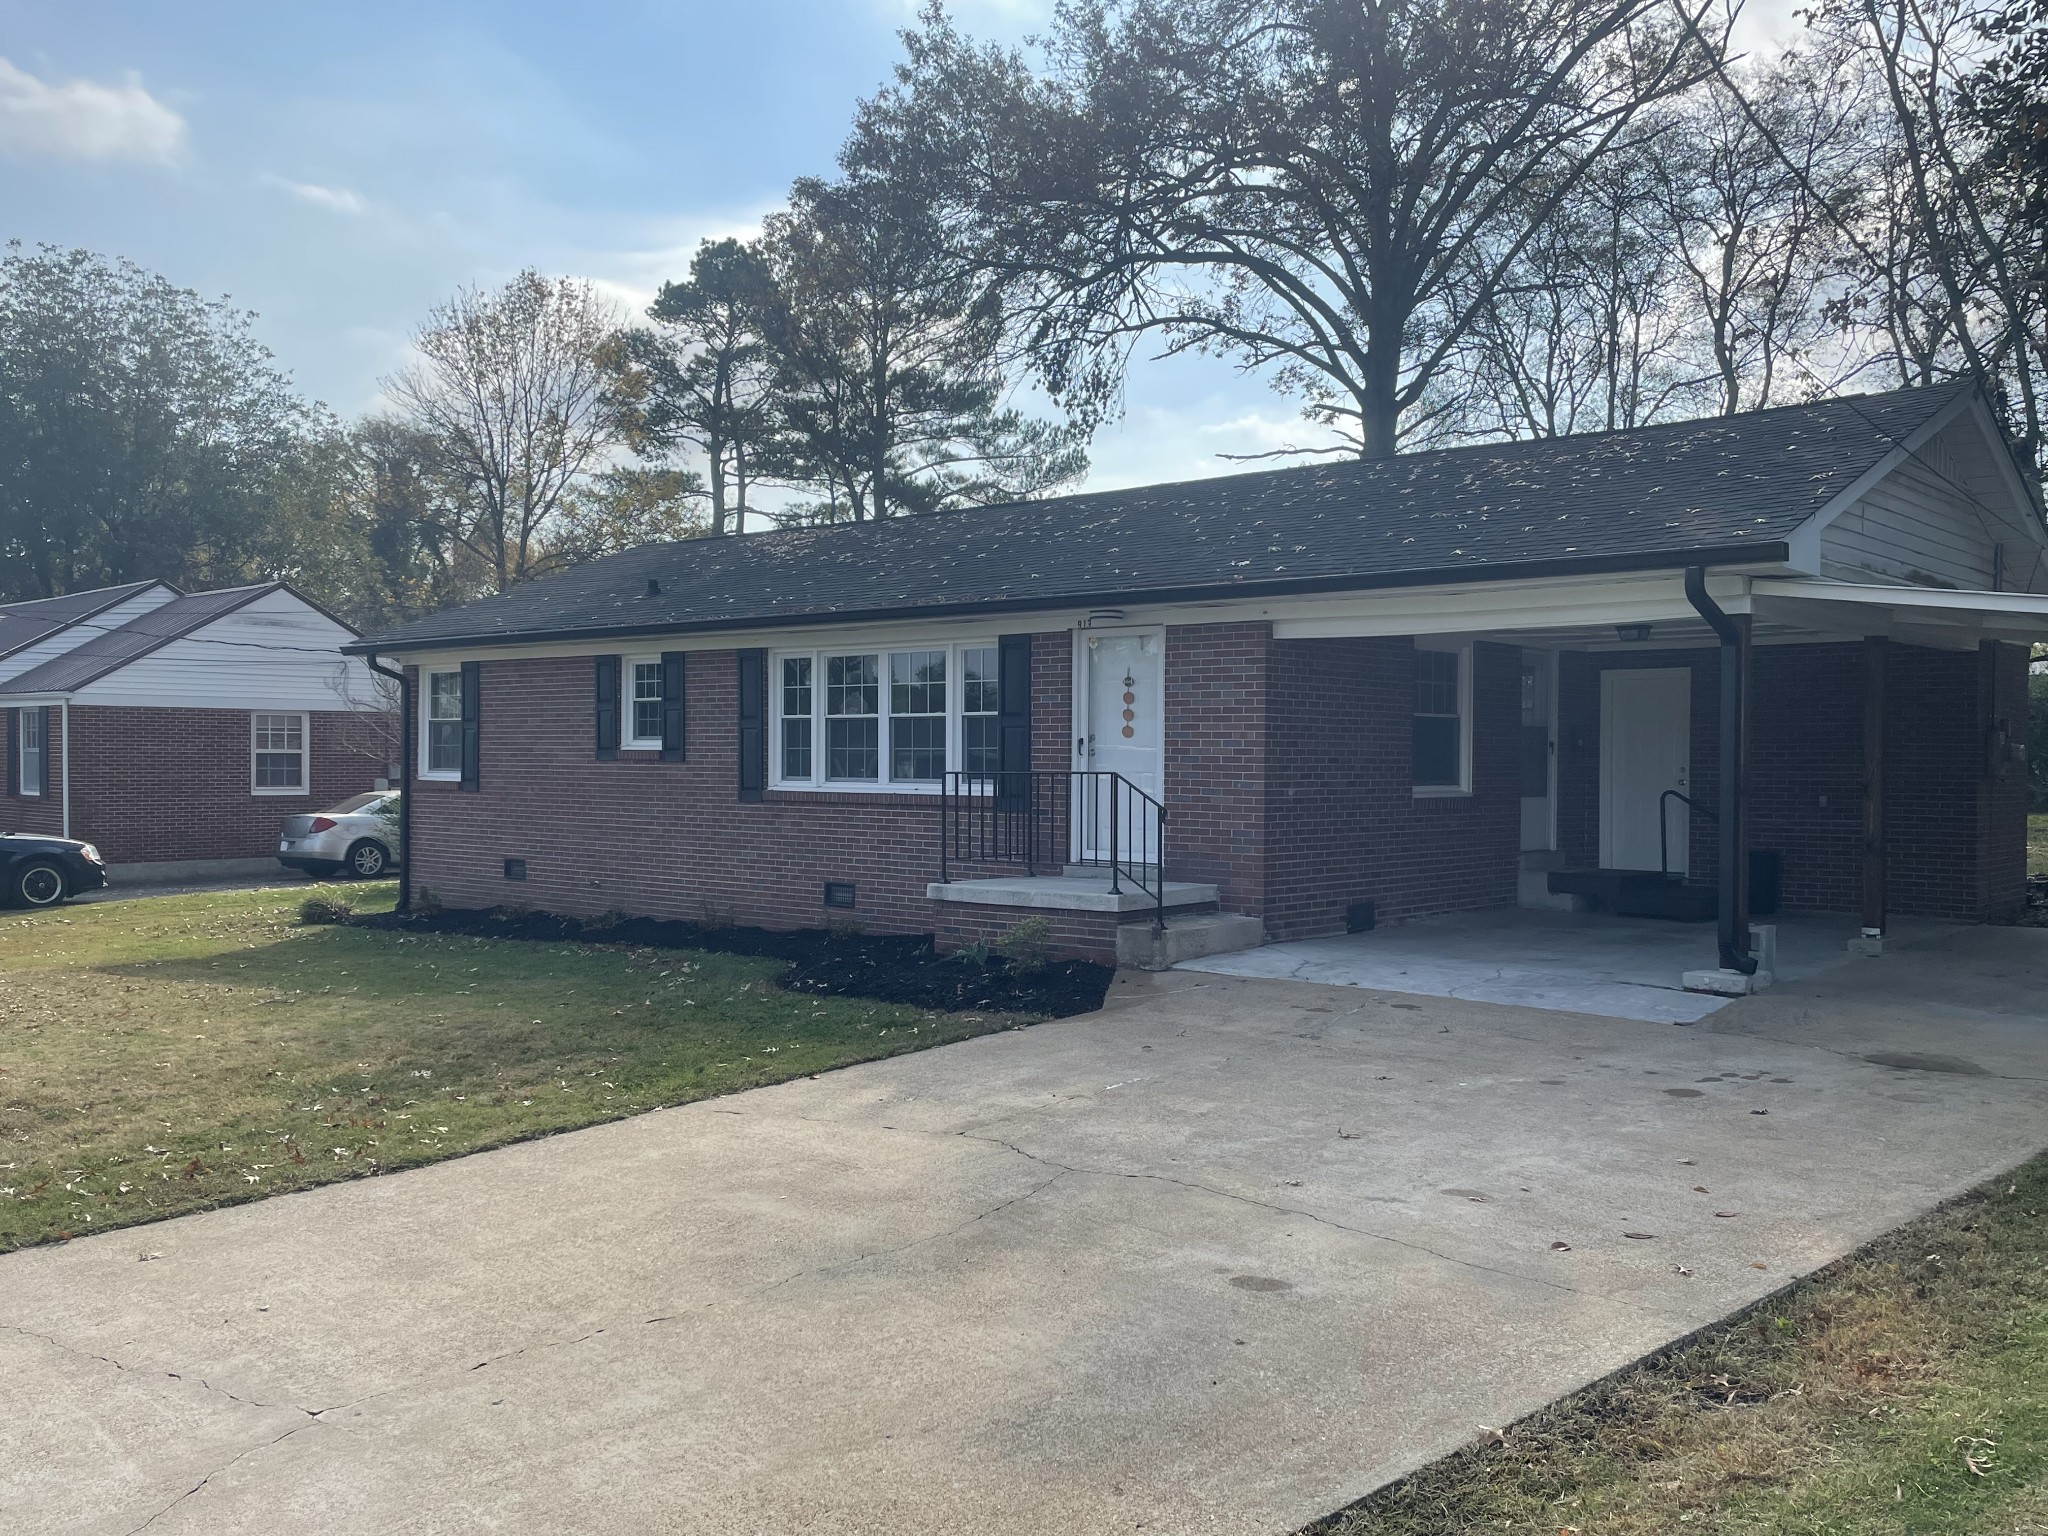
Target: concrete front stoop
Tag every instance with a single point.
(1187, 936)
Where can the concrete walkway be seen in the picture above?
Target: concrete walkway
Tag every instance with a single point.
(1219, 1259)
(1617, 967)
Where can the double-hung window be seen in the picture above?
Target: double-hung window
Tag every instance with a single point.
(981, 736)
(886, 718)
(277, 753)
(643, 702)
(34, 751)
(853, 725)
(1442, 740)
(443, 709)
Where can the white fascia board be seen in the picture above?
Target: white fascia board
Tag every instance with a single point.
(2025, 507)
(1947, 618)
(1562, 603)
(1803, 546)
(1438, 609)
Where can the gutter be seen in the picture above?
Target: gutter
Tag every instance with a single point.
(404, 777)
(1733, 942)
(1774, 552)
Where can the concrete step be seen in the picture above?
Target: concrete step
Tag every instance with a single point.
(1058, 893)
(1186, 937)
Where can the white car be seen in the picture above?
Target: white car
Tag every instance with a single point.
(358, 836)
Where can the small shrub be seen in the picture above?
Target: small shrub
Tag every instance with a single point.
(971, 954)
(315, 910)
(1028, 945)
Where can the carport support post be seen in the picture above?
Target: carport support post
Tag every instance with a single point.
(1876, 650)
(1732, 934)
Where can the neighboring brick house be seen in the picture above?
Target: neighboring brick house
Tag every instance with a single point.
(1331, 695)
(177, 730)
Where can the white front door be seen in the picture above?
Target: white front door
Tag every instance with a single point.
(1122, 732)
(1645, 749)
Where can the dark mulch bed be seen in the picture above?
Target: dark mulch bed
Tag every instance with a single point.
(889, 968)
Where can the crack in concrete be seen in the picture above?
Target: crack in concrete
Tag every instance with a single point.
(1306, 1215)
(164, 1371)
(249, 1450)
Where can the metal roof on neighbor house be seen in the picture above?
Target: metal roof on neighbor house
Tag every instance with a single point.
(1724, 488)
(23, 624)
(93, 659)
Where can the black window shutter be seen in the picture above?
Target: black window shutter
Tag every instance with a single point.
(472, 686)
(1013, 704)
(672, 706)
(607, 707)
(753, 724)
(44, 756)
(13, 752)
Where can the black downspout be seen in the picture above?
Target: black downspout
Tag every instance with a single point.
(404, 780)
(1734, 943)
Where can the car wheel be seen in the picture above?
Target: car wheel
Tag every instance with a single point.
(39, 884)
(367, 860)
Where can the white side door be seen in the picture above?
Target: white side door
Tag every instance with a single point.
(1645, 749)
(1122, 731)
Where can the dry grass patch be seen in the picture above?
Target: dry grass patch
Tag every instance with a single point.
(1904, 1390)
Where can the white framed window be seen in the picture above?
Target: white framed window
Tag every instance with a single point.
(640, 708)
(1442, 742)
(33, 754)
(441, 724)
(884, 717)
(277, 753)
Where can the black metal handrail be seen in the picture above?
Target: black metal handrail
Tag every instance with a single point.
(1051, 819)
(1663, 828)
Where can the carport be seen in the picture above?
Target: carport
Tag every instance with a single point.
(1713, 745)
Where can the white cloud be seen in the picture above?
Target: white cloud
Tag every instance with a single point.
(333, 199)
(84, 120)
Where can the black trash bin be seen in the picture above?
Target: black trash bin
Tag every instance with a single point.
(1766, 880)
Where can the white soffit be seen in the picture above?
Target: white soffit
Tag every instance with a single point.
(1937, 616)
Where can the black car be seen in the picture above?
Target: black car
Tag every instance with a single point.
(38, 871)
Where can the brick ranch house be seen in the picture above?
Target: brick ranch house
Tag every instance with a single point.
(1281, 704)
(174, 730)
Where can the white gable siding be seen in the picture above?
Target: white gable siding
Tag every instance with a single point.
(1921, 525)
(52, 646)
(275, 653)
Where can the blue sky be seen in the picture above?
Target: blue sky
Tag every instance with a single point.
(341, 168)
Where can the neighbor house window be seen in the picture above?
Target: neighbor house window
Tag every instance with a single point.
(643, 702)
(1442, 742)
(444, 724)
(278, 754)
(886, 718)
(33, 754)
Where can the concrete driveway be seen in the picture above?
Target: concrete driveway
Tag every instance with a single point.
(1220, 1259)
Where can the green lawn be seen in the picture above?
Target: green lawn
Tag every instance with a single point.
(169, 1054)
(1902, 1393)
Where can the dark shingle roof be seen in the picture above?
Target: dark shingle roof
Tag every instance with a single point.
(23, 624)
(93, 659)
(1733, 486)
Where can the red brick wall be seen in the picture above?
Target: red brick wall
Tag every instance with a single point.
(149, 785)
(1956, 837)
(1216, 682)
(673, 839)
(1343, 821)
(1077, 935)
